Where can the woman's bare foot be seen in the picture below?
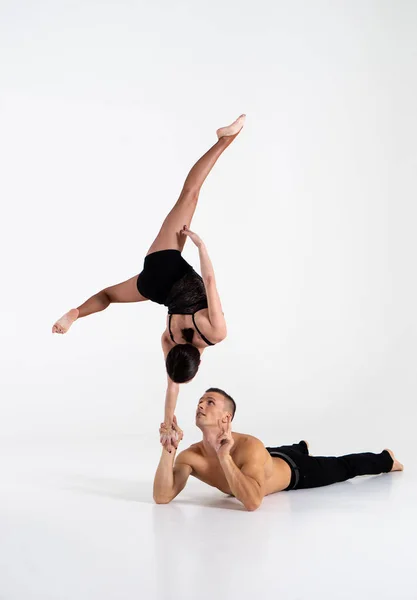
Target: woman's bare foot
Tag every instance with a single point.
(397, 466)
(65, 322)
(232, 129)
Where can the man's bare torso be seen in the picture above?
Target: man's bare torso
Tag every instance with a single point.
(207, 467)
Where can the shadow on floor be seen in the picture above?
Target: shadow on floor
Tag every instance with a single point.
(119, 489)
(354, 494)
(141, 491)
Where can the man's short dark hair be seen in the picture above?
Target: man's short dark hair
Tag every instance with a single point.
(231, 402)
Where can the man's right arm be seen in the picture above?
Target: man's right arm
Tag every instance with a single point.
(171, 479)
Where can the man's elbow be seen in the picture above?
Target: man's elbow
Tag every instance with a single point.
(162, 499)
(253, 504)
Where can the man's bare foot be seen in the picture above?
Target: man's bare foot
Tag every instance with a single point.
(65, 322)
(232, 129)
(397, 466)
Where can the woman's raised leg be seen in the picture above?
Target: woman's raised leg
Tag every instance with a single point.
(169, 236)
(122, 292)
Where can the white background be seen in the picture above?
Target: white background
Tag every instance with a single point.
(309, 218)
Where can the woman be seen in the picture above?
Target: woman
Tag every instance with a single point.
(195, 318)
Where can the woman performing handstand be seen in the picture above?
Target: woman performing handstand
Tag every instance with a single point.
(195, 318)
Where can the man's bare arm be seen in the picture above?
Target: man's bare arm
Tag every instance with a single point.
(171, 479)
(246, 483)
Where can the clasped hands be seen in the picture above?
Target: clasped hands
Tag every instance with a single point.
(170, 435)
(222, 441)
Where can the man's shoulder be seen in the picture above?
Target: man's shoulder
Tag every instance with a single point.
(248, 446)
(247, 440)
(189, 455)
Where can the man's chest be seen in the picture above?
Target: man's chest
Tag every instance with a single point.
(209, 471)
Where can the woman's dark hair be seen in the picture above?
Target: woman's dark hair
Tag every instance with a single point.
(182, 362)
(188, 334)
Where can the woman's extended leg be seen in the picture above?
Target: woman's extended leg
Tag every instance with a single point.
(169, 236)
(122, 292)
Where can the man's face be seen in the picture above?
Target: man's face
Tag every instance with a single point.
(211, 408)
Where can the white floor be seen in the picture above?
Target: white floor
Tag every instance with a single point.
(77, 522)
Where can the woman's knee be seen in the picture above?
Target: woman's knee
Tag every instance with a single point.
(107, 296)
(189, 194)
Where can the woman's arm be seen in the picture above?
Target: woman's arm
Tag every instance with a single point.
(216, 315)
(173, 388)
(171, 397)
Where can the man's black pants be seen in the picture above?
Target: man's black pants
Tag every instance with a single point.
(315, 471)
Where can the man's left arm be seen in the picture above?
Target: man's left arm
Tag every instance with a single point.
(247, 483)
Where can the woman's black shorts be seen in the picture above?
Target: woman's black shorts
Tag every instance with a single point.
(160, 271)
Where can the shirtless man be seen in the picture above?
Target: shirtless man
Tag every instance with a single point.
(240, 465)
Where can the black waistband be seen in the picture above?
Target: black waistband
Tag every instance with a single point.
(295, 471)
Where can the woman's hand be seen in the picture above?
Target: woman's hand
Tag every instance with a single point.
(193, 236)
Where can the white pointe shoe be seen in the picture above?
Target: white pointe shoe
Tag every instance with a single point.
(232, 129)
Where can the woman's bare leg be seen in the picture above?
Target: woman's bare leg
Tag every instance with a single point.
(122, 292)
(169, 236)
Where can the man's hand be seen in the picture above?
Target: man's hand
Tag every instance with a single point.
(193, 236)
(224, 441)
(170, 435)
